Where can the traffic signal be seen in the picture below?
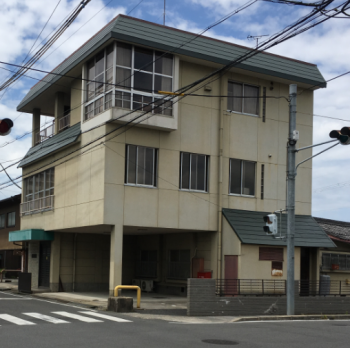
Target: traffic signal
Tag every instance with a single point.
(270, 224)
(343, 135)
(5, 126)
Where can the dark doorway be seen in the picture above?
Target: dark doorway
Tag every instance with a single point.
(231, 275)
(44, 264)
(305, 271)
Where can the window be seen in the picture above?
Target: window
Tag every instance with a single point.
(194, 172)
(38, 192)
(146, 265)
(2, 220)
(335, 262)
(141, 166)
(11, 219)
(270, 254)
(243, 98)
(242, 177)
(262, 181)
(277, 268)
(179, 266)
(135, 79)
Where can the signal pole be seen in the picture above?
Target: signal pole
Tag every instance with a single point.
(290, 204)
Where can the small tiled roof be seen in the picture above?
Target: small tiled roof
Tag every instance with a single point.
(339, 230)
(51, 145)
(248, 225)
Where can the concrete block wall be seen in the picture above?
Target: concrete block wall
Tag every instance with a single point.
(202, 301)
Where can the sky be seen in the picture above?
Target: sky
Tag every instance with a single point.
(326, 45)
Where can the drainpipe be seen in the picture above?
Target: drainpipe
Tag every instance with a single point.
(221, 149)
(74, 259)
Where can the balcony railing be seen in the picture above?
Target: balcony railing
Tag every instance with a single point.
(44, 134)
(37, 205)
(64, 123)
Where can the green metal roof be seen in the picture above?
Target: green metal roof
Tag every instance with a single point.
(248, 225)
(164, 38)
(49, 146)
(32, 234)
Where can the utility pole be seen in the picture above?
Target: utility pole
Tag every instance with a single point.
(291, 174)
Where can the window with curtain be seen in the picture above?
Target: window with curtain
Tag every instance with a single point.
(194, 172)
(11, 219)
(242, 177)
(243, 98)
(141, 166)
(39, 185)
(133, 79)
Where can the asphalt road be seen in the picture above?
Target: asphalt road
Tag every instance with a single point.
(29, 322)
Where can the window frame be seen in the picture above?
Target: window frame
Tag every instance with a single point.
(8, 219)
(4, 219)
(172, 277)
(130, 90)
(206, 174)
(44, 190)
(271, 250)
(154, 264)
(154, 166)
(241, 165)
(258, 98)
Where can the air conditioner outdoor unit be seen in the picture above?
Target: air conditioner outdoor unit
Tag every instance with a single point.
(147, 285)
(136, 282)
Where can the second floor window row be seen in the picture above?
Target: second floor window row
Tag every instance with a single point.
(39, 185)
(128, 77)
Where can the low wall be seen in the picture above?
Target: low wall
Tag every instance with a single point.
(202, 301)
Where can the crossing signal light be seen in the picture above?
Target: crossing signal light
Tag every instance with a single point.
(342, 135)
(5, 126)
(270, 224)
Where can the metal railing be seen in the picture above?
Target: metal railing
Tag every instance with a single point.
(37, 205)
(256, 287)
(324, 288)
(64, 123)
(44, 134)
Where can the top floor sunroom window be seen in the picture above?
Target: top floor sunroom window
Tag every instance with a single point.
(128, 77)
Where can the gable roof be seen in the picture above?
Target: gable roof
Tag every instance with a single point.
(51, 145)
(164, 38)
(248, 225)
(337, 230)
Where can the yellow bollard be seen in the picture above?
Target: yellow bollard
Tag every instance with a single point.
(131, 287)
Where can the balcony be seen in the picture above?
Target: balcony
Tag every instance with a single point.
(37, 205)
(64, 123)
(44, 134)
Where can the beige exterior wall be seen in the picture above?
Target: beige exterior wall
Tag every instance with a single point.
(90, 189)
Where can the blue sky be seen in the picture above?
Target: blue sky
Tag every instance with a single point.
(326, 45)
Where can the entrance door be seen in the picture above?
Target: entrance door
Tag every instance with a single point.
(44, 264)
(305, 285)
(231, 275)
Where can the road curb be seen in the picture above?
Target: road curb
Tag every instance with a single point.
(294, 317)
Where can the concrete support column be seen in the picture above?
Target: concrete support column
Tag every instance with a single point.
(55, 263)
(35, 125)
(33, 262)
(59, 108)
(116, 258)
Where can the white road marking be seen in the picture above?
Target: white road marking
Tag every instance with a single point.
(8, 293)
(78, 317)
(47, 318)
(15, 299)
(108, 317)
(15, 320)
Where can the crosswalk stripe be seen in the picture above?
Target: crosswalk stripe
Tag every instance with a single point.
(78, 317)
(15, 320)
(104, 316)
(47, 318)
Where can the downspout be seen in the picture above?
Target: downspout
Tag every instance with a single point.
(74, 259)
(221, 149)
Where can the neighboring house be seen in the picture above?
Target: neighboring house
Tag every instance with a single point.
(335, 262)
(10, 253)
(145, 201)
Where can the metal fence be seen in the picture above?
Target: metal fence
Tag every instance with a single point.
(44, 134)
(232, 287)
(324, 288)
(64, 123)
(267, 287)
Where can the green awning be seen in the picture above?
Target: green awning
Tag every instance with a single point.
(28, 235)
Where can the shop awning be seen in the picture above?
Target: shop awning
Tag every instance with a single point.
(28, 235)
(248, 225)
